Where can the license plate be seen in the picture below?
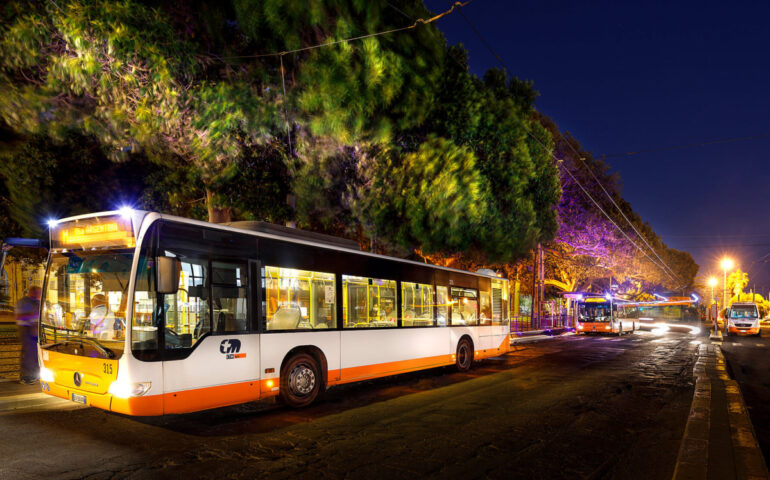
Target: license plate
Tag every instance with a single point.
(79, 398)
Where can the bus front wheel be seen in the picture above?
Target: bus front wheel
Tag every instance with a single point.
(464, 355)
(300, 381)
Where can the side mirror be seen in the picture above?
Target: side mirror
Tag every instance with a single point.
(167, 275)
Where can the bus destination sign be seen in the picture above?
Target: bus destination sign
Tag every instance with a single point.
(95, 232)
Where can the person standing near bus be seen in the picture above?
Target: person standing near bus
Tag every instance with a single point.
(27, 312)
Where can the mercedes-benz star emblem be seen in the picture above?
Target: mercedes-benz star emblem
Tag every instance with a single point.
(76, 378)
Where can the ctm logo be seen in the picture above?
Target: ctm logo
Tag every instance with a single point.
(230, 347)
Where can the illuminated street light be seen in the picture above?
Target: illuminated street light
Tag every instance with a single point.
(727, 264)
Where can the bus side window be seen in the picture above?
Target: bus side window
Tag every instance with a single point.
(298, 299)
(416, 304)
(442, 305)
(465, 306)
(368, 302)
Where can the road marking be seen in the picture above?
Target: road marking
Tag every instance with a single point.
(760, 344)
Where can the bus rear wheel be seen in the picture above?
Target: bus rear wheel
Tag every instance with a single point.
(464, 355)
(300, 381)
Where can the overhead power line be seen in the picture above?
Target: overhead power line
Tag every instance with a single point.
(585, 191)
(638, 233)
(688, 145)
(666, 269)
(417, 23)
(734, 245)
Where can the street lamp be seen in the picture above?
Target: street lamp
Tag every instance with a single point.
(727, 264)
(713, 283)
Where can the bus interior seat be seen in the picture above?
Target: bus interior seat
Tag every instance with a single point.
(286, 318)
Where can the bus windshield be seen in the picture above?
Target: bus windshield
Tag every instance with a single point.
(84, 303)
(744, 311)
(596, 312)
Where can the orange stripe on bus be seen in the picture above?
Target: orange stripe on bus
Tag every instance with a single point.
(232, 394)
(211, 397)
(353, 374)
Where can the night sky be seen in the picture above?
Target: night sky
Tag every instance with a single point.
(623, 77)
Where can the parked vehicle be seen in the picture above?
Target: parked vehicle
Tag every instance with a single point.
(743, 319)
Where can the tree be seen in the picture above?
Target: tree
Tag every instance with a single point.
(591, 234)
(46, 179)
(737, 281)
(118, 72)
(136, 79)
(495, 122)
(434, 198)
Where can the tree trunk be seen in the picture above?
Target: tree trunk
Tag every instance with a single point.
(217, 213)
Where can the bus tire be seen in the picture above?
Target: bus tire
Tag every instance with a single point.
(301, 381)
(464, 355)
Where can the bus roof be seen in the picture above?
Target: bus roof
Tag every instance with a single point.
(140, 216)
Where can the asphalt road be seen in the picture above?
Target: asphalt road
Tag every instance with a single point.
(748, 359)
(572, 407)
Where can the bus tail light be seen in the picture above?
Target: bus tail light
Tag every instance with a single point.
(46, 375)
(125, 390)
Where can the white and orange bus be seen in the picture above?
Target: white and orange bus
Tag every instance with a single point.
(599, 314)
(150, 314)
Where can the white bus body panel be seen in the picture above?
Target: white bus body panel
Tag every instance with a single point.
(362, 347)
(275, 346)
(491, 337)
(207, 366)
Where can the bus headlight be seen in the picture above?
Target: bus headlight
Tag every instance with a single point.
(608, 327)
(46, 375)
(125, 389)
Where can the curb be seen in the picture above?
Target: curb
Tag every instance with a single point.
(718, 424)
(536, 338)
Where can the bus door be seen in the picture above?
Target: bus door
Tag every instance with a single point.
(209, 357)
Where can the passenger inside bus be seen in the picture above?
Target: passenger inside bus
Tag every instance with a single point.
(101, 320)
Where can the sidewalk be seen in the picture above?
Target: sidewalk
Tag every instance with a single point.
(518, 338)
(719, 440)
(15, 397)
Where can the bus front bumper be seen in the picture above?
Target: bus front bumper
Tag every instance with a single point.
(140, 406)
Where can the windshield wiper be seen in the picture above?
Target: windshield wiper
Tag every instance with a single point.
(102, 349)
(105, 351)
